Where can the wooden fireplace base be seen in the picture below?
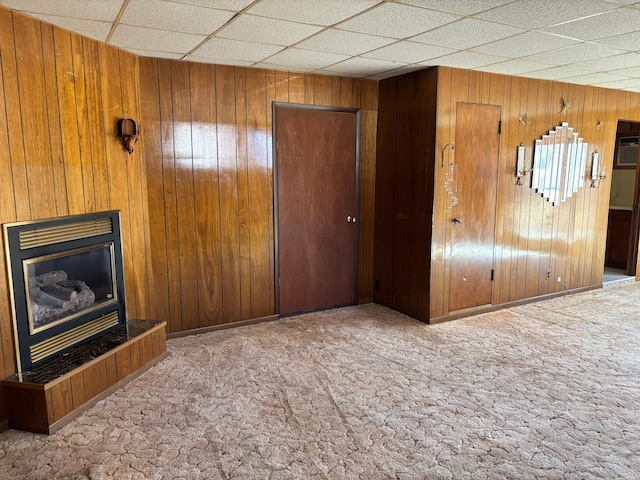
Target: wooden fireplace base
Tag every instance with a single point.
(46, 406)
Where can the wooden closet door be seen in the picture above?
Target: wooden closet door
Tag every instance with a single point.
(473, 218)
(316, 196)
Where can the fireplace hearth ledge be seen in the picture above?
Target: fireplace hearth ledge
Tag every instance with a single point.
(55, 392)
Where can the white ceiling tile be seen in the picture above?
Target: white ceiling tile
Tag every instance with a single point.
(284, 68)
(305, 58)
(106, 10)
(233, 5)
(95, 29)
(628, 72)
(511, 67)
(267, 30)
(623, 20)
(466, 33)
(555, 73)
(176, 17)
(574, 53)
(237, 63)
(626, 83)
(396, 72)
(224, 49)
(365, 66)
(628, 41)
(460, 7)
(317, 12)
(331, 73)
(408, 52)
(543, 13)
(465, 60)
(127, 36)
(626, 60)
(592, 78)
(346, 43)
(155, 53)
(524, 44)
(397, 21)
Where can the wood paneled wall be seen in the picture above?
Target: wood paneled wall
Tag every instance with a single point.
(61, 96)
(531, 234)
(208, 141)
(404, 192)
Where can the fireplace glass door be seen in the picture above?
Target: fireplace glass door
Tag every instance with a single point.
(62, 286)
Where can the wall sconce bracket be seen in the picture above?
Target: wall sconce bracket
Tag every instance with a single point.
(129, 132)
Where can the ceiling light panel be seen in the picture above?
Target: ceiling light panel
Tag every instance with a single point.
(317, 12)
(397, 21)
(267, 30)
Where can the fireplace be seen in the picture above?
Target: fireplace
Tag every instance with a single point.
(67, 283)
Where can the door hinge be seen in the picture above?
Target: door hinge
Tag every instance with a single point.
(500, 127)
(493, 272)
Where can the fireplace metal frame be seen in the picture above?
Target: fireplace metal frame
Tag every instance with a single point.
(33, 240)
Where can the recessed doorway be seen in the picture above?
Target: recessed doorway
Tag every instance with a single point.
(623, 228)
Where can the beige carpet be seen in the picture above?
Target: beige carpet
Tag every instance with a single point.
(547, 390)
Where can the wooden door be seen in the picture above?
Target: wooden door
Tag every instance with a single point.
(316, 207)
(477, 144)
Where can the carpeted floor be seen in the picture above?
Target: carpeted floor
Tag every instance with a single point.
(546, 390)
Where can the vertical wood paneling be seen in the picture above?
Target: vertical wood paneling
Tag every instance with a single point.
(60, 99)
(205, 164)
(231, 164)
(227, 161)
(243, 190)
(69, 122)
(152, 138)
(260, 195)
(531, 234)
(31, 91)
(184, 200)
(55, 127)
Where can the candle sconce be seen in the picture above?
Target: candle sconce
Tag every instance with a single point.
(521, 170)
(598, 174)
(450, 179)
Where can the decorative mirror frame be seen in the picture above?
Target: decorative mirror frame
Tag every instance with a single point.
(559, 164)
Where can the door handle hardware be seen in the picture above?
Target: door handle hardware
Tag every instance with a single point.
(457, 220)
(351, 219)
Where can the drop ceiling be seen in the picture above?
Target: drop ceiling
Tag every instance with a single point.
(591, 42)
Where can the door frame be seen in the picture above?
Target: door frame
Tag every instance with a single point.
(274, 148)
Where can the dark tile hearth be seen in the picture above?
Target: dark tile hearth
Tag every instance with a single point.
(56, 367)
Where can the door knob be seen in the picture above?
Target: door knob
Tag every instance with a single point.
(351, 219)
(457, 220)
